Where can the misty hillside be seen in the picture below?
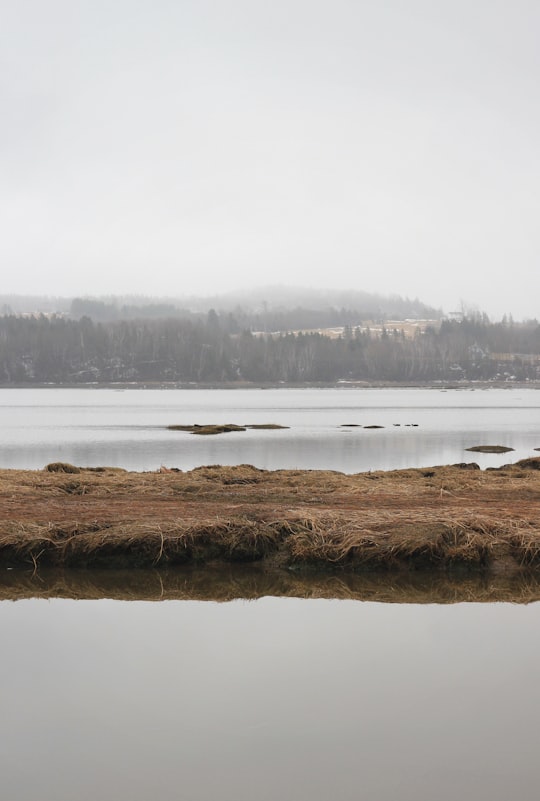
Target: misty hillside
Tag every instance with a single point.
(281, 298)
(34, 304)
(272, 308)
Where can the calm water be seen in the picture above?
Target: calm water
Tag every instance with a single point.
(127, 428)
(276, 698)
(272, 699)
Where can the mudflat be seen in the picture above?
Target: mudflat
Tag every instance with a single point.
(442, 517)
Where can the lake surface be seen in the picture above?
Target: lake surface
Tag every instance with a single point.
(127, 428)
(270, 699)
(273, 698)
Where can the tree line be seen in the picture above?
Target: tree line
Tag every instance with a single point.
(265, 318)
(215, 348)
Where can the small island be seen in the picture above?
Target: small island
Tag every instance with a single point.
(223, 428)
(489, 449)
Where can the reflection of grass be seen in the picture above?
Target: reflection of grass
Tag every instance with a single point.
(489, 449)
(449, 518)
(228, 582)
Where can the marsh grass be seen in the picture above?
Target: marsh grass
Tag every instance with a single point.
(439, 518)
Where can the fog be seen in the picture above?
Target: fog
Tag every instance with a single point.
(184, 148)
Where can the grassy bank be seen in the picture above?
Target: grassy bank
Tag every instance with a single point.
(446, 518)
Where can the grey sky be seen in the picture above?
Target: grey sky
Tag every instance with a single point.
(193, 146)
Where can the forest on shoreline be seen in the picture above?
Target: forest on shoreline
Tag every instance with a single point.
(215, 348)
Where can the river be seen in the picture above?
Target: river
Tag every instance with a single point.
(128, 428)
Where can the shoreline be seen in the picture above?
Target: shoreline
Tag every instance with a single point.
(235, 385)
(445, 519)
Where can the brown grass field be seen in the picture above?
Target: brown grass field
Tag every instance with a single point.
(446, 518)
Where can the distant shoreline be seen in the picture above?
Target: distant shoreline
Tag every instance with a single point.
(232, 385)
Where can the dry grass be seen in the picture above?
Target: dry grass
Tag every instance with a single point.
(438, 517)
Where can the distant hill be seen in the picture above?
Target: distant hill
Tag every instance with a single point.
(272, 308)
(33, 304)
(281, 298)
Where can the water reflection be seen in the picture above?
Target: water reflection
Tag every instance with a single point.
(277, 698)
(223, 583)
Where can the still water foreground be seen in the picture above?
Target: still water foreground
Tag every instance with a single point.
(273, 698)
(253, 683)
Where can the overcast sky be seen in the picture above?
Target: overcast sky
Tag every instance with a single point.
(172, 147)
